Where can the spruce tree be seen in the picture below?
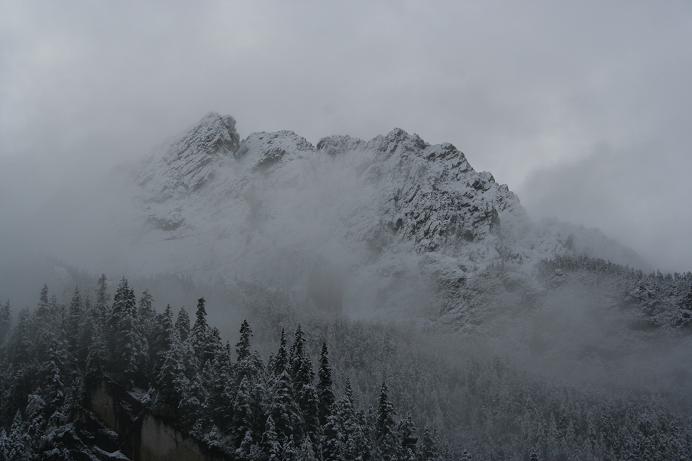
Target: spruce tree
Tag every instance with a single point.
(332, 449)
(146, 316)
(74, 321)
(245, 451)
(18, 445)
(205, 340)
(270, 441)
(127, 342)
(182, 324)
(20, 346)
(353, 437)
(428, 449)
(407, 432)
(297, 356)
(43, 297)
(146, 309)
(5, 321)
(284, 410)
(307, 451)
(53, 375)
(384, 426)
(162, 337)
(242, 348)
(281, 360)
(102, 298)
(325, 391)
(86, 332)
(97, 358)
(218, 375)
(243, 418)
(171, 380)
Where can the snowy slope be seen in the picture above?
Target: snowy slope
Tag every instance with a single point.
(414, 217)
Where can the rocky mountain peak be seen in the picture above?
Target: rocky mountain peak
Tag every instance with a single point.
(213, 135)
(338, 144)
(188, 163)
(269, 148)
(397, 140)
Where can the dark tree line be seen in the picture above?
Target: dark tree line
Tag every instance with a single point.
(226, 397)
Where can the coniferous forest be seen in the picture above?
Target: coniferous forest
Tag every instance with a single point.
(227, 398)
(296, 402)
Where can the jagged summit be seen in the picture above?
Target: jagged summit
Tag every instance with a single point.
(338, 144)
(214, 134)
(187, 163)
(390, 200)
(267, 149)
(397, 140)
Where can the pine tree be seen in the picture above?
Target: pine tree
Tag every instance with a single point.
(43, 297)
(146, 309)
(351, 429)
(171, 380)
(325, 392)
(96, 361)
(192, 406)
(284, 410)
(102, 299)
(17, 445)
(242, 348)
(332, 449)
(205, 340)
(217, 375)
(281, 360)
(162, 337)
(20, 346)
(127, 342)
(428, 449)
(307, 451)
(53, 375)
(243, 418)
(86, 332)
(182, 324)
(270, 441)
(147, 317)
(5, 321)
(74, 321)
(384, 426)
(297, 356)
(407, 432)
(245, 451)
(302, 377)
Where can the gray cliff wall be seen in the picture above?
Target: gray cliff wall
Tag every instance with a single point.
(144, 436)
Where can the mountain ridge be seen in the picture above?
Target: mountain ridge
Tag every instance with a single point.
(392, 207)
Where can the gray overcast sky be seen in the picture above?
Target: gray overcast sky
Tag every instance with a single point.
(583, 108)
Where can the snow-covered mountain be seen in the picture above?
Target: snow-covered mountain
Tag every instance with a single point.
(415, 217)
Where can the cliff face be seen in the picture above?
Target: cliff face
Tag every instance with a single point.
(143, 436)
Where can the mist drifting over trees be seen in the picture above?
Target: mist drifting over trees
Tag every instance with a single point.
(358, 231)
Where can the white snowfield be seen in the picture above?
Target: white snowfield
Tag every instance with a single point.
(275, 209)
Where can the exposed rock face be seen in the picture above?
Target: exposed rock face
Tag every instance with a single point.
(144, 436)
(267, 149)
(338, 144)
(389, 208)
(434, 197)
(189, 162)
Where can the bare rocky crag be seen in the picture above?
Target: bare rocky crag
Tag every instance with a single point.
(143, 435)
(394, 209)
